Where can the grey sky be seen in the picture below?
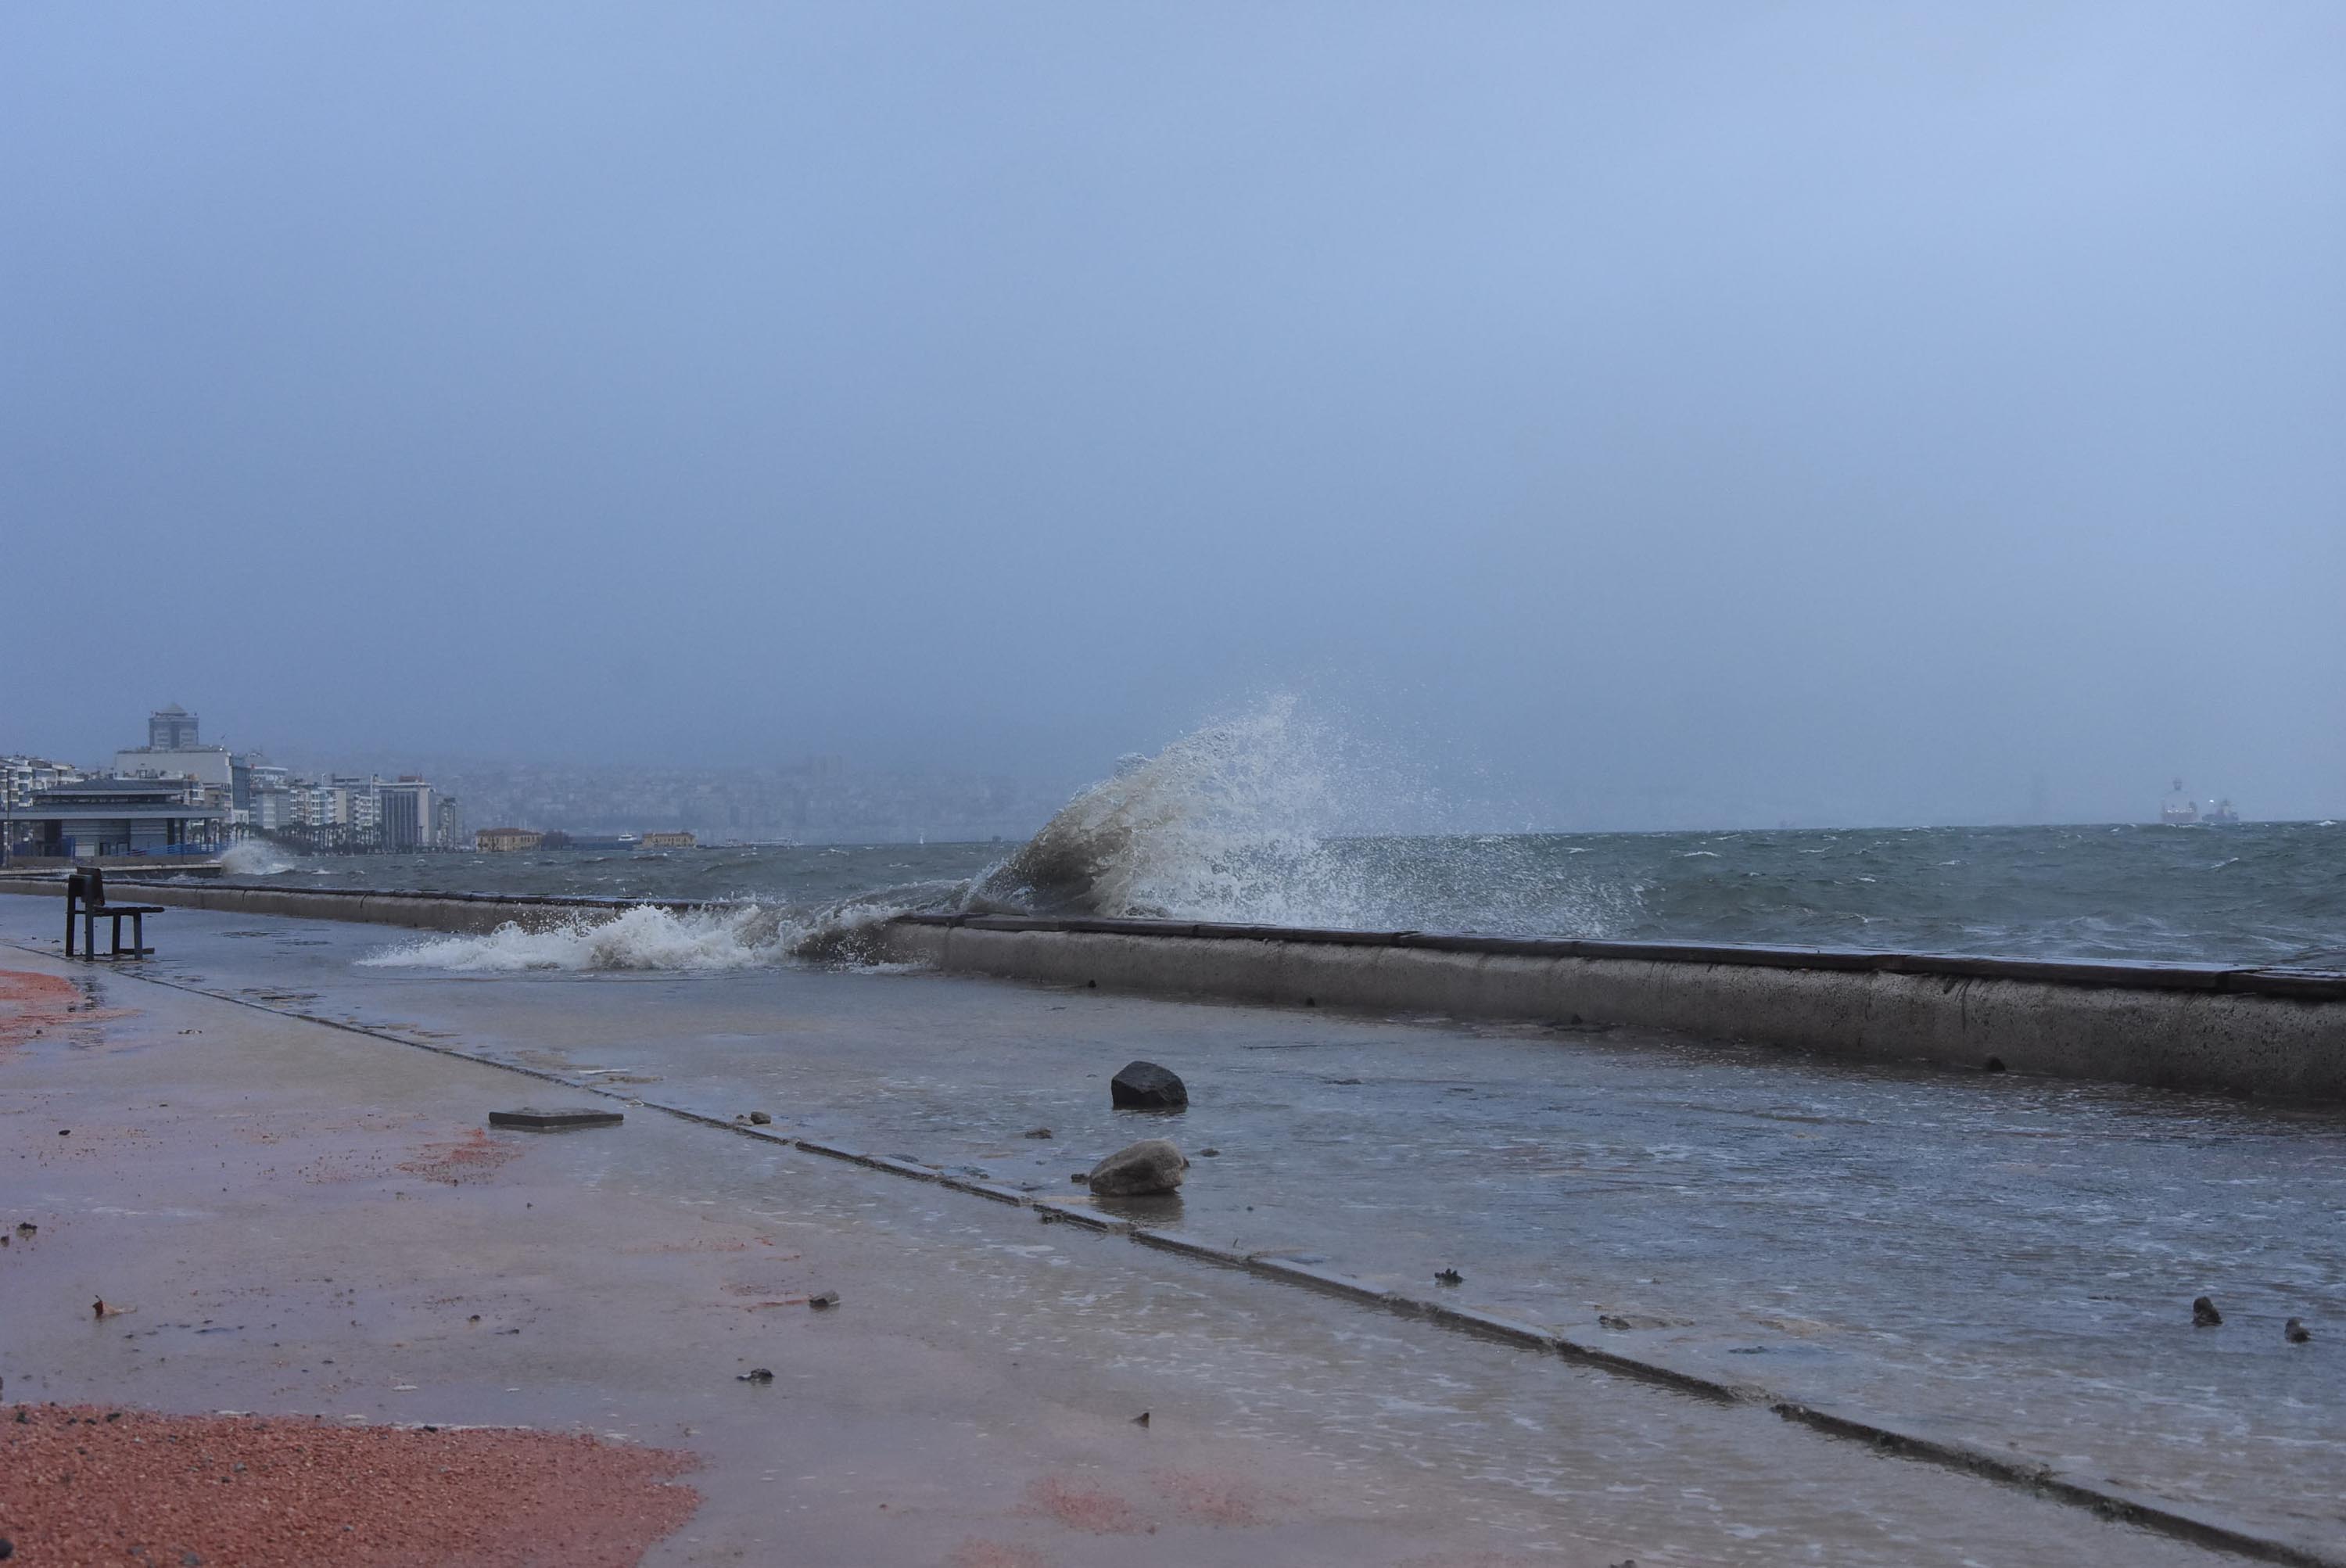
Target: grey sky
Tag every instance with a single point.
(1678, 414)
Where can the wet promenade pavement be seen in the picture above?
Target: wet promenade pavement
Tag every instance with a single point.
(2004, 1261)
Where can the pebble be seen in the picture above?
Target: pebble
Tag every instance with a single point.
(2296, 1332)
(2204, 1314)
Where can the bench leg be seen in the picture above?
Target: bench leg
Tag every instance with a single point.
(89, 932)
(69, 914)
(138, 936)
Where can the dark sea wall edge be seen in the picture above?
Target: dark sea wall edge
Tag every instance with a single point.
(2278, 1033)
(2262, 1031)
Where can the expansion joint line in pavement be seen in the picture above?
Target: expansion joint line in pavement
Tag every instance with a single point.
(2109, 1503)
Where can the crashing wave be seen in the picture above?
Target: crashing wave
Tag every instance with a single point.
(650, 937)
(1231, 822)
(1268, 817)
(256, 858)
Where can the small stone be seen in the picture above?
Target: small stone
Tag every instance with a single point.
(1079, 1176)
(2296, 1332)
(26, 1228)
(760, 1119)
(1145, 1086)
(1450, 1277)
(823, 1302)
(1141, 1419)
(1146, 1169)
(1210, 1153)
(1038, 1132)
(756, 1375)
(2204, 1314)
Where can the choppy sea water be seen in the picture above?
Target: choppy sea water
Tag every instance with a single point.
(1271, 817)
(2256, 893)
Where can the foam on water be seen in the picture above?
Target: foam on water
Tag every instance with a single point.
(644, 937)
(256, 858)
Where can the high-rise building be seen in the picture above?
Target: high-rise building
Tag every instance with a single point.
(172, 729)
(403, 815)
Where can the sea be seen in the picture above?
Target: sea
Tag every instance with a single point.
(1251, 820)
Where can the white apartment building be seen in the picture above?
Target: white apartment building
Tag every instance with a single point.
(20, 777)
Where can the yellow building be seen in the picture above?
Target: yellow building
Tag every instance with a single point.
(505, 841)
(667, 841)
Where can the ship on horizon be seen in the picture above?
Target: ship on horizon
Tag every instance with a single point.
(2180, 811)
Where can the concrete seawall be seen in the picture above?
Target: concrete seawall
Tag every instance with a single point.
(472, 913)
(2237, 1029)
(2270, 1032)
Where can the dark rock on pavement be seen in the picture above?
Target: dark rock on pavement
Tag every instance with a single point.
(1145, 1086)
(1146, 1169)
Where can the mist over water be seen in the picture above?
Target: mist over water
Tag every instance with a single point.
(1259, 819)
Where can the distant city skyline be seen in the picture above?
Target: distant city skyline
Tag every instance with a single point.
(818, 800)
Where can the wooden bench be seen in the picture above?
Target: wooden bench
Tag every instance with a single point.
(86, 894)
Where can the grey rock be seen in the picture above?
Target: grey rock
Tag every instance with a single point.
(1146, 1168)
(1038, 1132)
(756, 1375)
(2296, 1332)
(2204, 1314)
(1145, 1086)
(824, 1301)
(760, 1119)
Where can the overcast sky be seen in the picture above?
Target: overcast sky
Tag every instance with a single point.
(1664, 413)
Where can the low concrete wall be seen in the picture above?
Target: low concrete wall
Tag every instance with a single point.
(2237, 1029)
(2205, 1027)
(462, 912)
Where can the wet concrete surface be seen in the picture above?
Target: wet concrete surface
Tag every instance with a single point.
(2007, 1260)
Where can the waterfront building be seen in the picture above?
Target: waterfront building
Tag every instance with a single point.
(114, 816)
(506, 840)
(667, 841)
(21, 778)
(403, 815)
(173, 750)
